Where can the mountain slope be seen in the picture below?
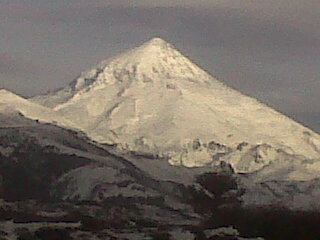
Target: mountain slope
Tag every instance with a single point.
(46, 161)
(81, 188)
(153, 99)
(59, 169)
(10, 102)
(62, 95)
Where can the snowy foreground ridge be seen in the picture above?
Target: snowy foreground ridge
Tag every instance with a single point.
(154, 100)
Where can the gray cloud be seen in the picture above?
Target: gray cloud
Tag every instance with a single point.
(269, 50)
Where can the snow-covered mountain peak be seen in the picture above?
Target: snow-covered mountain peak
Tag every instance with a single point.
(155, 64)
(157, 44)
(153, 61)
(153, 99)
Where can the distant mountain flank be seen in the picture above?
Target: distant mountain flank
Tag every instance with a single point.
(15, 103)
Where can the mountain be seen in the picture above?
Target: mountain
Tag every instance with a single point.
(59, 96)
(154, 100)
(49, 165)
(56, 183)
(147, 145)
(10, 102)
(57, 153)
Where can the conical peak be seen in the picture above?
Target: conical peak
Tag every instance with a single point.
(155, 61)
(157, 42)
(157, 45)
(145, 52)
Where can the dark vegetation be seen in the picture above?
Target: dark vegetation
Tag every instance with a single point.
(161, 236)
(30, 169)
(45, 233)
(272, 222)
(24, 234)
(21, 216)
(223, 187)
(52, 234)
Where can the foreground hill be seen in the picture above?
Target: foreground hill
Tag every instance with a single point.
(58, 184)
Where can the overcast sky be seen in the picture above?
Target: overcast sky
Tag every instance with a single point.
(268, 49)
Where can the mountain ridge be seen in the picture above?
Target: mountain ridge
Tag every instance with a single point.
(14, 103)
